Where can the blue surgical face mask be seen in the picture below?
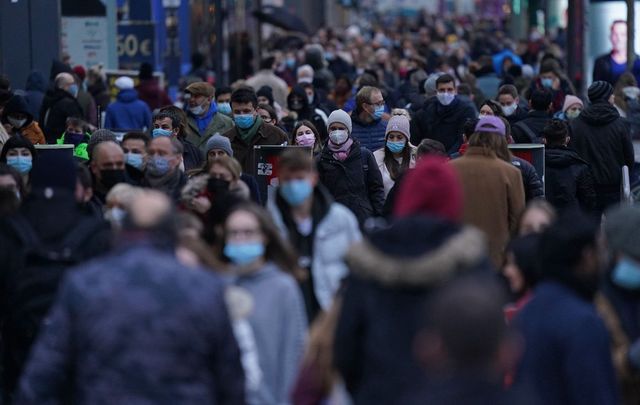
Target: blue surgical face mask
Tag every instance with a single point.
(224, 108)
(546, 82)
(158, 166)
(73, 89)
(20, 163)
(134, 159)
(378, 113)
(626, 274)
(244, 253)
(396, 147)
(296, 192)
(445, 98)
(244, 121)
(161, 132)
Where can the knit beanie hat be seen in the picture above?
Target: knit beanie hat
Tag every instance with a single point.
(218, 141)
(599, 91)
(99, 136)
(54, 169)
(431, 189)
(341, 117)
(622, 229)
(124, 83)
(399, 123)
(570, 101)
(267, 92)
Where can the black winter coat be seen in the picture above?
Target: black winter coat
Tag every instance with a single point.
(57, 106)
(601, 137)
(192, 156)
(535, 121)
(355, 183)
(568, 180)
(533, 187)
(442, 123)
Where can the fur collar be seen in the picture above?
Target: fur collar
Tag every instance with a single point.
(461, 251)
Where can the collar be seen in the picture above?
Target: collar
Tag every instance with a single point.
(480, 151)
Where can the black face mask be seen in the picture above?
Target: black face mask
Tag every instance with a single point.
(217, 186)
(111, 177)
(297, 105)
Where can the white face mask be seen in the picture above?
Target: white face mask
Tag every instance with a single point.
(197, 110)
(16, 123)
(631, 92)
(339, 136)
(446, 98)
(508, 110)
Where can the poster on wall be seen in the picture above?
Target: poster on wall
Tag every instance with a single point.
(607, 41)
(85, 40)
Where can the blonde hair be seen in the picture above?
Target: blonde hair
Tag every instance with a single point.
(229, 163)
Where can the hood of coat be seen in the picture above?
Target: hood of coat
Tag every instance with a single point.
(127, 95)
(18, 104)
(36, 82)
(599, 114)
(433, 251)
(299, 91)
(561, 156)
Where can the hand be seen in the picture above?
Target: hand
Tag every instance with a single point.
(200, 205)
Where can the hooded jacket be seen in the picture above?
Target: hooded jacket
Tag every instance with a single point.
(393, 274)
(529, 129)
(35, 87)
(601, 138)
(128, 112)
(57, 106)
(316, 116)
(568, 180)
(30, 130)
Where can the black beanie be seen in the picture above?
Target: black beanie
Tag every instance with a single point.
(600, 91)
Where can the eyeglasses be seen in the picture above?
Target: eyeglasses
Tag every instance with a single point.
(378, 104)
(266, 118)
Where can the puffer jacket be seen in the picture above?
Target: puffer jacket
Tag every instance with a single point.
(356, 182)
(335, 230)
(568, 180)
(369, 134)
(601, 138)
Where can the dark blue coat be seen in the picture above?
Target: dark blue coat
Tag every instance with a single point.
(370, 135)
(136, 327)
(567, 358)
(128, 112)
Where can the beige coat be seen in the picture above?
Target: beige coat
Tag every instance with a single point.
(386, 175)
(493, 197)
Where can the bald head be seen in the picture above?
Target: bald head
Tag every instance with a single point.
(106, 156)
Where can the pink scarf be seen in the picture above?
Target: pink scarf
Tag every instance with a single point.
(340, 152)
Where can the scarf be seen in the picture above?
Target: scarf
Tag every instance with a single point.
(340, 152)
(248, 134)
(203, 122)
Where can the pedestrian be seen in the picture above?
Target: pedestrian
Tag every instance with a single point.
(162, 171)
(368, 124)
(124, 306)
(567, 357)
(204, 119)
(553, 80)
(17, 114)
(171, 123)
(149, 89)
(320, 229)
(266, 77)
(272, 330)
(76, 134)
(12, 191)
(269, 115)
(223, 100)
(59, 104)
(20, 154)
(134, 145)
(529, 129)
(490, 108)
(107, 167)
(128, 111)
(35, 88)
(601, 137)
(398, 155)
(521, 272)
(85, 99)
(306, 134)
(509, 100)
(537, 216)
(442, 118)
(349, 171)
(250, 130)
(392, 276)
(493, 189)
(533, 187)
(568, 179)
(99, 136)
(618, 302)
(37, 250)
(97, 87)
(626, 101)
(300, 109)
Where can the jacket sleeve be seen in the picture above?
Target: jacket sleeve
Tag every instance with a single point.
(375, 186)
(416, 130)
(585, 190)
(627, 149)
(516, 200)
(292, 341)
(532, 183)
(48, 371)
(108, 119)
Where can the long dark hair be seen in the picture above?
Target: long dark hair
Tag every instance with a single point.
(277, 249)
(395, 168)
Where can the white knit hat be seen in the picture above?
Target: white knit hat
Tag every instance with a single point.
(341, 117)
(124, 83)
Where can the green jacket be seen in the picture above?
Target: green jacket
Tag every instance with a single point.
(220, 123)
(79, 151)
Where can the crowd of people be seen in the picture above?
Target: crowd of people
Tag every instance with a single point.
(406, 255)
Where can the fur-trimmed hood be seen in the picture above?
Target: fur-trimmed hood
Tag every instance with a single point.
(418, 252)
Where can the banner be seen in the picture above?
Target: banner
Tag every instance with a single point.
(85, 40)
(532, 153)
(266, 167)
(136, 44)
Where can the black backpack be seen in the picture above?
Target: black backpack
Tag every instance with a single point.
(32, 287)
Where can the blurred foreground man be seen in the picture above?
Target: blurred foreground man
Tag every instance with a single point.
(137, 327)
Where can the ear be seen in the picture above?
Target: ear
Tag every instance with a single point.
(94, 168)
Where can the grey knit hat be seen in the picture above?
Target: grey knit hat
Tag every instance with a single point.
(622, 229)
(341, 117)
(99, 136)
(399, 123)
(218, 141)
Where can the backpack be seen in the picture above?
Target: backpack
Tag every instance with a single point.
(527, 130)
(32, 288)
